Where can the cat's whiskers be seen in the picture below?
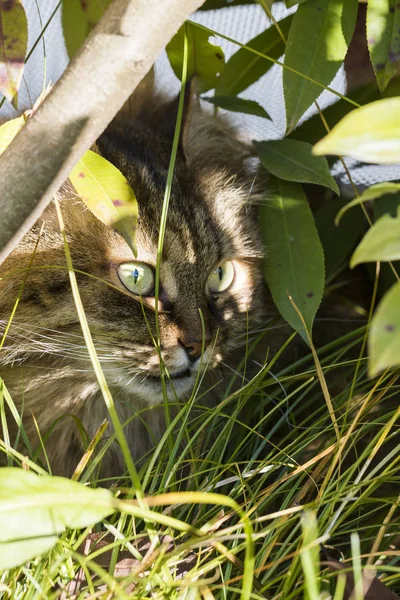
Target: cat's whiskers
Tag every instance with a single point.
(241, 375)
(31, 342)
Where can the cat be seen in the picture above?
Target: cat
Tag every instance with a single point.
(212, 290)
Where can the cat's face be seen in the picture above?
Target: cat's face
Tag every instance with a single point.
(211, 291)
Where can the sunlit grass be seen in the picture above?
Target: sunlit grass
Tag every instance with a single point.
(267, 449)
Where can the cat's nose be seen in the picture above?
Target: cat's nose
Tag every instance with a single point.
(192, 348)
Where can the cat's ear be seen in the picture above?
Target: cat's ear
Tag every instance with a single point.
(210, 141)
(165, 117)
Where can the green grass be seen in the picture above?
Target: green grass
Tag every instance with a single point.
(269, 450)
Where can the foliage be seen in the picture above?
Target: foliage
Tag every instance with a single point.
(34, 510)
(294, 265)
(107, 194)
(294, 477)
(378, 142)
(205, 60)
(315, 53)
(78, 19)
(14, 41)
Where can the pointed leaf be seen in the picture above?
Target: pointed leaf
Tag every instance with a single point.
(317, 44)
(107, 193)
(35, 509)
(383, 36)
(374, 191)
(380, 243)
(384, 336)
(205, 61)
(370, 134)
(293, 160)
(245, 67)
(9, 130)
(78, 19)
(294, 260)
(236, 104)
(13, 45)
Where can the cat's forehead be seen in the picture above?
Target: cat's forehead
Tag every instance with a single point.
(191, 234)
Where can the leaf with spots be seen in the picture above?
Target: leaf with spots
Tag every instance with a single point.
(205, 60)
(380, 243)
(384, 336)
(293, 160)
(9, 130)
(383, 37)
(78, 19)
(35, 510)
(294, 262)
(13, 45)
(107, 193)
(241, 105)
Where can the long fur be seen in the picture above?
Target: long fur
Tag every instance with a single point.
(211, 219)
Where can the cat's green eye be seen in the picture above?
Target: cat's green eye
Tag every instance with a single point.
(221, 278)
(137, 277)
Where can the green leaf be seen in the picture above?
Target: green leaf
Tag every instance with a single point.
(292, 160)
(214, 4)
(387, 204)
(9, 130)
(370, 133)
(242, 105)
(384, 336)
(290, 3)
(205, 60)
(338, 241)
(78, 19)
(317, 44)
(314, 129)
(244, 67)
(383, 37)
(35, 509)
(106, 192)
(380, 243)
(13, 45)
(374, 191)
(266, 4)
(294, 260)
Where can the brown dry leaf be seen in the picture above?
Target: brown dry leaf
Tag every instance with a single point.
(374, 589)
(13, 45)
(126, 565)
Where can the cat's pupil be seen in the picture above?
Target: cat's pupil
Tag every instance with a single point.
(135, 274)
(220, 273)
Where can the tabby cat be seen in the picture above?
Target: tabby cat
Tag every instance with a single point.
(211, 288)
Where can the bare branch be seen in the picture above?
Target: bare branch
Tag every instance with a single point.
(115, 58)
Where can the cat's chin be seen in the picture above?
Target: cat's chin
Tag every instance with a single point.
(149, 389)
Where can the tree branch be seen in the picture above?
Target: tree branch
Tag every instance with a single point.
(114, 59)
